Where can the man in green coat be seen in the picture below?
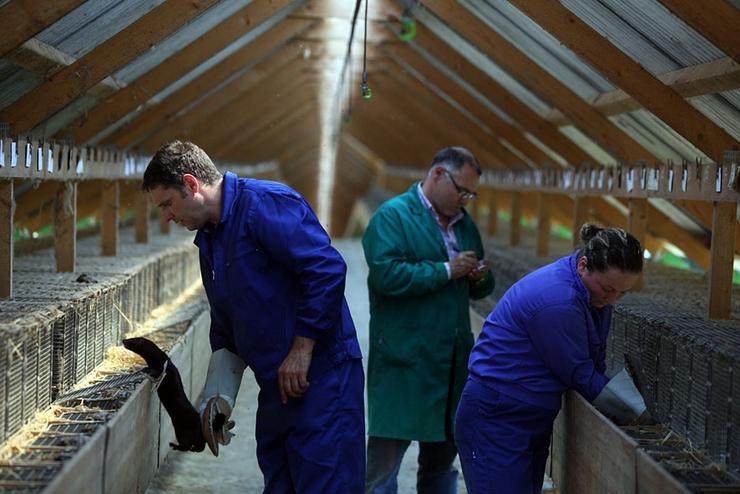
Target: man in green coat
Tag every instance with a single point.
(426, 261)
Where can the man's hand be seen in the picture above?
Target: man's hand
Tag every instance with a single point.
(479, 272)
(463, 264)
(293, 371)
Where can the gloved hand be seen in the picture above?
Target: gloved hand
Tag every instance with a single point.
(621, 400)
(225, 371)
(216, 424)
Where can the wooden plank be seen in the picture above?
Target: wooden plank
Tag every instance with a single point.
(626, 73)
(186, 59)
(141, 220)
(539, 81)
(543, 224)
(580, 217)
(6, 239)
(515, 224)
(65, 227)
(637, 220)
(456, 119)
(72, 81)
(716, 20)
(696, 80)
(724, 223)
(519, 112)
(198, 95)
(651, 478)
(21, 20)
(109, 218)
(499, 127)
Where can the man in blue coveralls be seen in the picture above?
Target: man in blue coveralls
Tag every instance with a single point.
(276, 290)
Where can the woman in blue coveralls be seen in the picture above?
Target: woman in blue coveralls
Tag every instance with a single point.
(547, 334)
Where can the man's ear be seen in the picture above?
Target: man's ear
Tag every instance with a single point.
(191, 183)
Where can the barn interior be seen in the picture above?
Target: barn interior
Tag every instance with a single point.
(624, 113)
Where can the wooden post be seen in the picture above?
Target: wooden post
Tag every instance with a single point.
(6, 238)
(515, 229)
(493, 213)
(543, 224)
(164, 225)
(724, 222)
(637, 225)
(141, 207)
(580, 216)
(109, 218)
(65, 226)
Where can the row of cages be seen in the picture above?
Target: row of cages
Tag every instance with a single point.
(57, 327)
(685, 365)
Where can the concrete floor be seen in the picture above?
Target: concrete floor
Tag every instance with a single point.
(235, 470)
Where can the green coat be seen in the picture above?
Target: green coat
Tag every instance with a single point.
(419, 319)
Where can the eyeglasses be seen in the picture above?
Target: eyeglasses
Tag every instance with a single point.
(465, 194)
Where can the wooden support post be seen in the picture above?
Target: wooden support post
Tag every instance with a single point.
(164, 225)
(141, 207)
(515, 228)
(6, 239)
(724, 222)
(637, 225)
(543, 224)
(580, 216)
(65, 226)
(109, 218)
(493, 213)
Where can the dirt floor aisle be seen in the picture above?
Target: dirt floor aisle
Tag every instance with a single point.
(235, 470)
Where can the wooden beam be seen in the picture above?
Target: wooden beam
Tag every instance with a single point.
(724, 225)
(109, 218)
(526, 118)
(141, 220)
(696, 80)
(499, 127)
(539, 81)
(493, 202)
(45, 60)
(637, 220)
(65, 226)
(72, 81)
(627, 74)
(515, 225)
(543, 224)
(455, 118)
(21, 20)
(186, 59)
(189, 104)
(716, 20)
(580, 217)
(6, 239)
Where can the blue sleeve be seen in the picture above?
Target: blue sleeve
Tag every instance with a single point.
(290, 232)
(559, 336)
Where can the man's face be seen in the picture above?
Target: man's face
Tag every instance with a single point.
(608, 287)
(451, 188)
(180, 205)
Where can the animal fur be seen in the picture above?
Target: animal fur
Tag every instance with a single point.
(185, 418)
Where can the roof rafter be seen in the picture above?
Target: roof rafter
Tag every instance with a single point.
(175, 66)
(627, 74)
(73, 81)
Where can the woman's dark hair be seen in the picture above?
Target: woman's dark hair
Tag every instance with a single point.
(607, 248)
(175, 159)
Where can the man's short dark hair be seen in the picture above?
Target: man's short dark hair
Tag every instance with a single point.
(455, 158)
(175, 159)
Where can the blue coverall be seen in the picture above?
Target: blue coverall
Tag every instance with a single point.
(270, 273)
(542, 338)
